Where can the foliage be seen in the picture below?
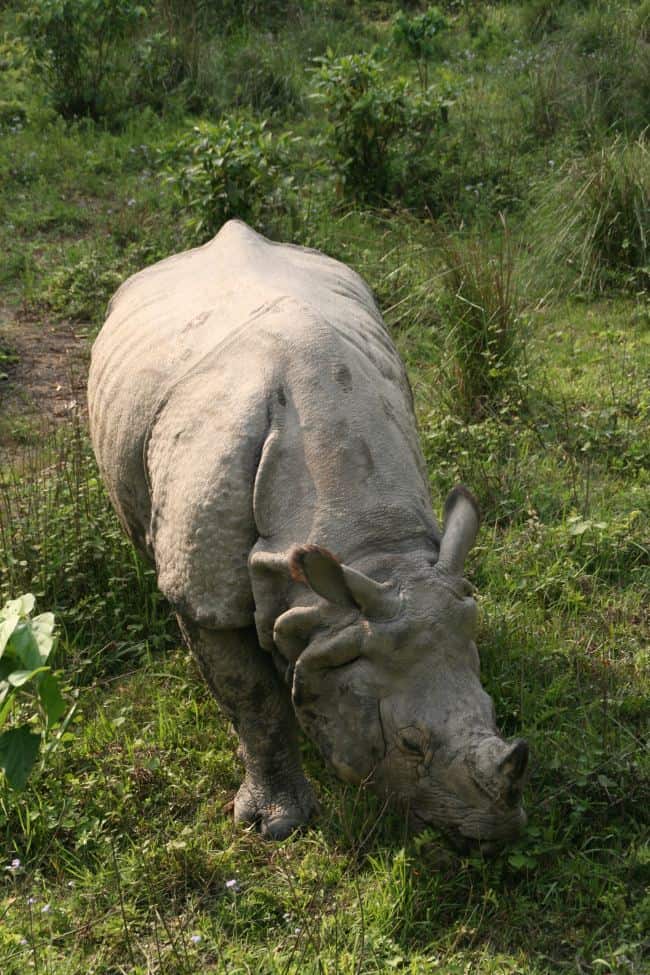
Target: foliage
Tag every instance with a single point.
(75, 44)
(378, 126)
(421, 35)
(158, 69)
(26, 643)
(234, 169)
(482, 312)
(123, 857)
(81, 290)
(256, 77)
(603, 239)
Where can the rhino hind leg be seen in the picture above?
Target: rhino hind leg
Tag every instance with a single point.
(275, 793)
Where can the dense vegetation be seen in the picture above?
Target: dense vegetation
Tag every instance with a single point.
(485, 166)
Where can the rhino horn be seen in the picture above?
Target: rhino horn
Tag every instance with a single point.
(339, 584)
(498, 767)
(461, 524)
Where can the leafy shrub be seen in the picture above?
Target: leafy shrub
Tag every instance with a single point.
(75, 45)
(26, 643)
(421, 36)
(595, 220)
(379, 128)
(482, 311)
(81, 290)
(236, 168)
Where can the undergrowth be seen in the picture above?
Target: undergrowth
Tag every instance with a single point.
(530, 384)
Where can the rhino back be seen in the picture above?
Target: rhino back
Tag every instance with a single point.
(248, 391)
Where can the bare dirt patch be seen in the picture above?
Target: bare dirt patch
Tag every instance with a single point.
(47, 381)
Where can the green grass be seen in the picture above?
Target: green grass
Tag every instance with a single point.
(127, 852)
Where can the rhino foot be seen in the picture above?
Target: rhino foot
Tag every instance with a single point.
(277, 812)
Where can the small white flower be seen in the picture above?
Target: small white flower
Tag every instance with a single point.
(45, 908)
(31, 900)
(297, 930)
(195, 939)
(14, 865)
(232, 884)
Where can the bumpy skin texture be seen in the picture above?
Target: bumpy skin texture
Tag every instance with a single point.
(250, 416)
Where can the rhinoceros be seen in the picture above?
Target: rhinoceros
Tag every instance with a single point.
(251, 416)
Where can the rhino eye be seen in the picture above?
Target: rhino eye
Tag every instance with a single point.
(412, 746)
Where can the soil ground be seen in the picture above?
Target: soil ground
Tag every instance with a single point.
(45, 375)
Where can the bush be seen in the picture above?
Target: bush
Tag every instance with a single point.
(234, 169)
(74, 44)
(421, 36)
(80, 291)
(595, 220)
(482, 311)
(379, 128)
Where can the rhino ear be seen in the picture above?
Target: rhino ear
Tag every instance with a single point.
(339, 584)
(461, 524)
(513, 764)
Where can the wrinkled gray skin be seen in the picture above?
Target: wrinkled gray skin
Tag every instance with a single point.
(250, 416)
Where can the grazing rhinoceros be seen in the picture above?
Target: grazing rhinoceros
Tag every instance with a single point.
(250, 416)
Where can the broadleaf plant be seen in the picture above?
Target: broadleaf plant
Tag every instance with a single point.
(30, 695)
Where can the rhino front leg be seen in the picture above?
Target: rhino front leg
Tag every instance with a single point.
(275, 793)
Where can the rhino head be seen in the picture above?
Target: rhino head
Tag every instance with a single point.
(386, 683)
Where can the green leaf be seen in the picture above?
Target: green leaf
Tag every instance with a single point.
(18, 753)
(521, 861)
(25, 645)
(7, 627)
(43, 630)
(33, 640)
(51, 699)
(19, 607)
(19, 677)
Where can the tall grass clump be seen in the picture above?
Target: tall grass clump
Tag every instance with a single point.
(60, 539)
(482, 310)
(594, 221)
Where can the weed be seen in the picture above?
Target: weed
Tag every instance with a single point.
(483, 315)
(595, 220)
(60, 539)
(80, 291)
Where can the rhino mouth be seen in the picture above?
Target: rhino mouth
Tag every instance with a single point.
(477, 834)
